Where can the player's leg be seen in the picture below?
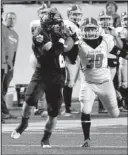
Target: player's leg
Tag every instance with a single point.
(6, 82)
(113, 73)
(72, 71)
(87, 97)
(107, 95)
(33, 93)
(124, 83)
(116, 85)
(54, 100)
(2, 106)
(41, 108)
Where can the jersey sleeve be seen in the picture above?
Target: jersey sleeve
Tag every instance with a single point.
(122, 32)
(110, 42)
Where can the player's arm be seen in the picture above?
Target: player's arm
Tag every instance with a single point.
(121, 52)
(117, 40)
(72, 51)
(14, 57)
(124, 50)
(72, 54)
(5, 48)
(43, 46)
(39, 40)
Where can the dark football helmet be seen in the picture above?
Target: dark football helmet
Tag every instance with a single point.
(53, 21)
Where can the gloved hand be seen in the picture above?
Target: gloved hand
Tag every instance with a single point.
(55, 36)
(40, 37)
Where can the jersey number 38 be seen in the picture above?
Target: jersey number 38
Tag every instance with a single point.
(94, 61)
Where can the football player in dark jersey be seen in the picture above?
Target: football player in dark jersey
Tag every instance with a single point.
(48, 46)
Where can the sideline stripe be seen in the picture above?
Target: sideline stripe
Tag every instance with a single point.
(72, 133)
(66, 146)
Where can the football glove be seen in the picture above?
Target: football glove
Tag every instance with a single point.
(39, 38)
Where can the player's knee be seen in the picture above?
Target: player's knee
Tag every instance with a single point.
(114, 112)
(85, 109)
(70, 84)
(29, 100)
(53, 113)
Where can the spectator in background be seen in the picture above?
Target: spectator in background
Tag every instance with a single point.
(13, 38)
(4, 52)
(111, 9)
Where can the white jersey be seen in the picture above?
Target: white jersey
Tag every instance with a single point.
(33, 25)
(122, 32)
(74, 28)
(94, 62)
(105, 31)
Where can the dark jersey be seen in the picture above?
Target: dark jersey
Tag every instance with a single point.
(51, 68)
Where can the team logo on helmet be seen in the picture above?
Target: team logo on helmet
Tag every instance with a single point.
(75, 14)
(90, 29)
(105, 20)
(124, 19)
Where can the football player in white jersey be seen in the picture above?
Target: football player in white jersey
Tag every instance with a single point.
(106, 22)
(93, 53)
(73, 23)
(41, 12)
(123, 80)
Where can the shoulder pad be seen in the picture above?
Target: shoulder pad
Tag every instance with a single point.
(107, 37)
(122, 32)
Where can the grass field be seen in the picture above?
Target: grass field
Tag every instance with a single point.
(108, 137)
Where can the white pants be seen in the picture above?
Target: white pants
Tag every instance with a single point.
(105, 92)
(72, 72)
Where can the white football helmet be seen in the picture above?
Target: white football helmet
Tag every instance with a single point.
(75, 14)
(90, 29)
(105, 20)
(124, 19)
